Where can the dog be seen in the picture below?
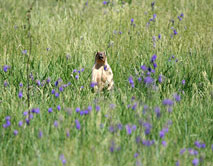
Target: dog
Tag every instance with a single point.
(102, 76)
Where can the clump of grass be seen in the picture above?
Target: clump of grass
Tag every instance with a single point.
(162, 63)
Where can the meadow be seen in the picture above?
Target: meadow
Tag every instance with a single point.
(160, 112)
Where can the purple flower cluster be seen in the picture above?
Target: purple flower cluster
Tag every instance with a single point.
(77, 73)
(130, 128)
(6, 68)
(77, 124)
(148, 142)
(163, 132)
(180, 17)
(200, 144)
(8, 123)
(63, 160)
(147, 127)
(131, 82)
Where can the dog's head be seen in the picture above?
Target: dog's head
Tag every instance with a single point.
(100, 58)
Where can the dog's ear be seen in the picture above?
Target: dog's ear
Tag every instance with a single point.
(98, 53)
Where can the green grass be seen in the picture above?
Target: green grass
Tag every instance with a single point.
(78, 30)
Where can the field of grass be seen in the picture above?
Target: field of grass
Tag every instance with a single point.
(160, 112)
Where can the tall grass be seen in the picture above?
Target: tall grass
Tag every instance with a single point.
(126, 130)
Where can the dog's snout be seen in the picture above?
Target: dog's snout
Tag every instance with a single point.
(100, 56)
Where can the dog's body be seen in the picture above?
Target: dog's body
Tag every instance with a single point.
(102, 76)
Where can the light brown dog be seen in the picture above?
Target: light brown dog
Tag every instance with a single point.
(102, 76)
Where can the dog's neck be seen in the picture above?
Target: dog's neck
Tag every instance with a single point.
(99, 65)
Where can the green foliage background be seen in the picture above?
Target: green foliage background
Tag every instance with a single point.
(77, 29)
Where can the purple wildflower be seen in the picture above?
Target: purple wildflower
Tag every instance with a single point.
(161, 134)
(183, 82)
(120, 126)
(152, 5)
(180, 18)
(175, 32)
(177, 163)
(157, 111)
(58, 107)
(24, 52)
(112, 146)
(77, 109)
(192, 151)
(154, 57)
(147, 127)
(48, 80)
(164, 143)
(168, 102)
(15, 132)
(82, 112)
(134, 127)
(159, 36)
(89, 108)
(93, 84)
(67, 133)
(136, 155)
(56, 83)
(86, 112)
(61, 89)
(148, 142)
(182, 151)
(203, 145)
(160, 79)
(177, 97)
(53, 91)
(154, 65)
(128, 129)
(134, 106)
(77, 124)
(7, 118)
(38, 82)
(37, 110)
(148, 80)
(20, 123)
(25, 113)
(56, 94)
(131, 82)
(97, 107)
(31, 116)
(20, 94)
(5, 68)
(56, 123)
(195, 161)
(105, 2)
(27, 121)
(105, 67)
(5, 83)
(143, 67)
(154, 16)
(182, 15)
(50, 110)
(40, 134)
(111, 129)
(138, 139)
